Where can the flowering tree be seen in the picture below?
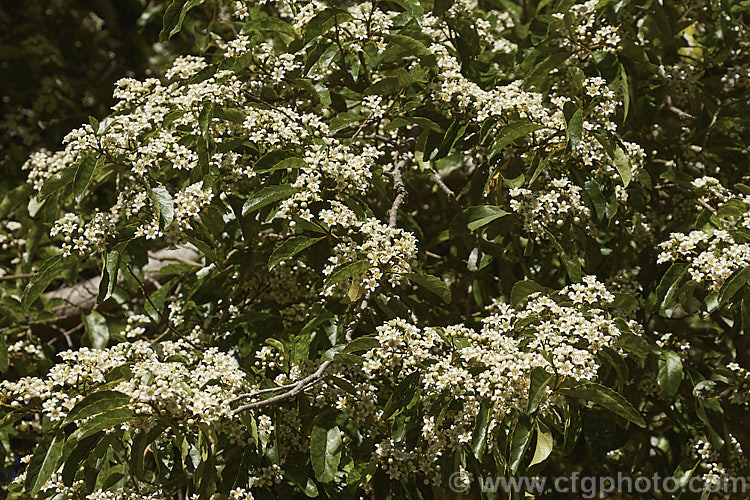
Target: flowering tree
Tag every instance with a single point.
(385, 249)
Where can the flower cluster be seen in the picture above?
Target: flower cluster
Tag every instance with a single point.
(169, 380)
(544, 211)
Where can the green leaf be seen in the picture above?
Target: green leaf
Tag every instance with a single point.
(103, 421)
(433, 284)
(670, 373)
(544, 444)
(325, 452)
(163, 203)
(44, 462)
(49, 270)
(96, 403)
(323, 22)
(57, 182)
(85, 171)
(480, 216)
(108, 276)
(733, 284)
(519, 443)
(479, 436)
(609, 399)
(567, 255)
(174, 16)
(575, 129)
(402, 395)
(96, 333)
(78, 455)
(346, 271)
(634, 344)
(522, 289)
(540, 380)
(617, 153)
(414, 48)
(269, 23)
(510, 133)
(670, 284)
(361, 344)
(290, 248)
(266, 196)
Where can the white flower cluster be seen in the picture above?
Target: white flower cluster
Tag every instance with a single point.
(560, 333)
(713, 257)
(588, 33)
(551, 208)
(717, 472)
(169, 380)
(84, 238)
(390, 251)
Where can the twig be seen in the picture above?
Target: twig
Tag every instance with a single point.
(296, 388)
(398, 184)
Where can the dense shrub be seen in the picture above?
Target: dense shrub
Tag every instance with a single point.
(373, 248)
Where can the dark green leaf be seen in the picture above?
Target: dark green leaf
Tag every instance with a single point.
(433, 284)
(510, 133)
(49, 270)
(325, 452)
(290, 248)
(402, 395)
(44, 462)
(266, 196)
(609, 399)
(670, 375)
(346, 271)
(96, 333)
(96, 403)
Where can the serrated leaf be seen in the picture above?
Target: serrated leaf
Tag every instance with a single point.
(108, 280)
(324, 21)
(669, 376)
(670, 284)
(325, 452)
(85, 171)
(575, 129)
(164, 204)
(266, 196)
(402, 395)
(733, 284)
(346, 271)
(540, 380)
(103, 421)
(519, 442)
(522, 289)
(609, 399)
(49, 270)
(96, 403)
(567, 255)
(433, 284)
(510, 133)
(290, 248)
(174, 16)
(44, 462)
(480, 216)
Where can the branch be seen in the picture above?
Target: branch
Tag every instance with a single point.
(82, 295)
(299, 386)
(398, 184)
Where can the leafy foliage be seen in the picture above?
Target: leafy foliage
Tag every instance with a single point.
(335, 250)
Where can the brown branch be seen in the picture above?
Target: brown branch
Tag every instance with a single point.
(298, 387)
(398, 184)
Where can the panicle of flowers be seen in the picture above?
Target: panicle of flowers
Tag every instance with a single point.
(713, 256)
(590, 33)
(84, 238)
(561, 333)
(551, 208)
(169, 380)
